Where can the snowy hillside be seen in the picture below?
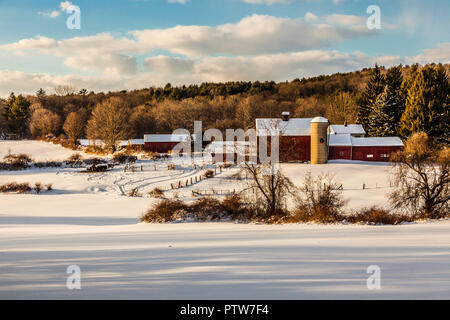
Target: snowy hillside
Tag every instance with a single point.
(88, 221)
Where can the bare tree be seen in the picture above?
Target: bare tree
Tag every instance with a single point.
(109, 122)
(74, 125)
(65, 90)
(320, 199)
(269, 191)
(44, 122)
(422, 178)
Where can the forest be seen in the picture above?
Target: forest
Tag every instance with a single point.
(387, 101)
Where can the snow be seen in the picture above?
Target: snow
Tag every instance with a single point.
(166, 138)
(373, 142)
(293, 127)
(39, 151)
(353, 129)
(340, 140)
(87, 221)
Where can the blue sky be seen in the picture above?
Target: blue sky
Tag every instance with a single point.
(139, 43)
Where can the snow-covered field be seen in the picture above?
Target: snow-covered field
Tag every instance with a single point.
(88, 221)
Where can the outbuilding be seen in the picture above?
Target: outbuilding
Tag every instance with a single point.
(163, 143)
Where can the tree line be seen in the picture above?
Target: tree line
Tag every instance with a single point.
(397, 101)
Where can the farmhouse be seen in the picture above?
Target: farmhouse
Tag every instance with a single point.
(315, 140)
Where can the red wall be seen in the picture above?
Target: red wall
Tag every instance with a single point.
(361, 153)
(160, 147)
(335, 153)
(293, 149)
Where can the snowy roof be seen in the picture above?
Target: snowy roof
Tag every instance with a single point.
(292, 127)
(350, 129)
(377, 142)
(347, 140)
(228, 147)
(166, 138)
(340, 140)
(319, 120)
(87, 142)
(132, 142)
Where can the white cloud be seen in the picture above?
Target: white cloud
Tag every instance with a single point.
(253, 35)
(162, 69)
(439, 54)
(56, 13)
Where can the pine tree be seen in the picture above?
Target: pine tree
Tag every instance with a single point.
(17, 114)
(374, 88)
(426, 107)
(381, 120)
(395, 103)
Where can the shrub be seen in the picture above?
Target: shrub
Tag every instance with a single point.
(16, 161)
(75, 160)
(165, 211)
(38, 187)
(15, 187)
(49, 187)
(378, 216)
(207, 209)
(98, 150)
(320, 200)
(236, 209)
(124, 158)
(171, 167)
(156, 193)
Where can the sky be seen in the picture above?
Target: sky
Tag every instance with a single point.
(133, 44)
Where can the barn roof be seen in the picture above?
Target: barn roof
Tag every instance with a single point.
(348, 129)
(132, 142)
(377, 142)
(292, 127)
(88, 142)
(340, 140)
(346, 140)
(229, 147)
(166, 138)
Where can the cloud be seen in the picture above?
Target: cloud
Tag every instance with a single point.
(253, 35)
(439, 54)
(160, 69)
(55, 13)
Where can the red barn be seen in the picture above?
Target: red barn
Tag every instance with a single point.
(163, 143)
(345, 142)
(295, 136)
(375, 149)
(346, 147)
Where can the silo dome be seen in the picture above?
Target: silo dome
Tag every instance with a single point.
(319, 120)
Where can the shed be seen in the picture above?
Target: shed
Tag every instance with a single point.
(163, 143)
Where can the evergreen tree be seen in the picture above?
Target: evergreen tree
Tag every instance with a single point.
(17, 113)
(381, 119)
(374, 88)
(426, 107)
(395, 104)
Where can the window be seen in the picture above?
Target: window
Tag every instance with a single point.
(384, 155)
(369, 156)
